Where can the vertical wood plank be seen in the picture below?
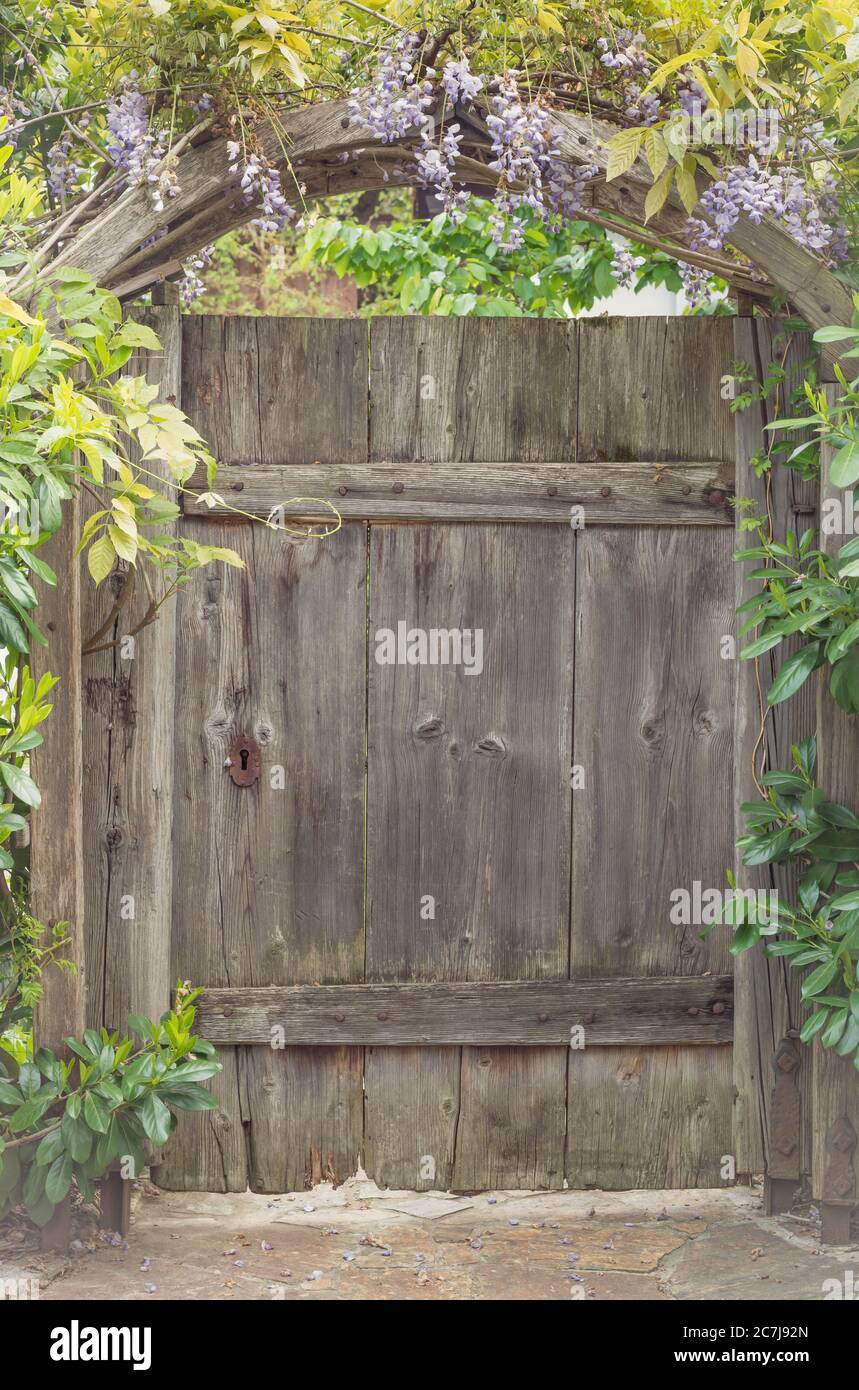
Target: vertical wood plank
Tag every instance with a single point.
(129, 693)
(56, 829)
(478, 390)
(650, 389)
(274, 871)
(411, 1114)
(278, 391)
(835, 1080)
(270, 889)
(652, 734)
(648, 1117)
(454, 392)
(766, 1001)
(469, 805)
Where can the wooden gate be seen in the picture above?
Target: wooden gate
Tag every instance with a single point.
(447, 877)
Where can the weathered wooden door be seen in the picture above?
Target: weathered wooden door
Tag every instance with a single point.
(436, 932)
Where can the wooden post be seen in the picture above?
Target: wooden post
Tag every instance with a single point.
(128, 757)
(766, 1003)
(56, 831)
(836, 1082)
(56, 836)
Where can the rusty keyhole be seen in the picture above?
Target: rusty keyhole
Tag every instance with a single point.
(244, 761)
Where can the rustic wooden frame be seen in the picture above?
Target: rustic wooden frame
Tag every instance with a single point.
(66, 885)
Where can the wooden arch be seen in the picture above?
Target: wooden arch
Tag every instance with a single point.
(328, 154)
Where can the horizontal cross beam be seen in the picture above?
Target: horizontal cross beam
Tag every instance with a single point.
(632, 494)
(638, 1012)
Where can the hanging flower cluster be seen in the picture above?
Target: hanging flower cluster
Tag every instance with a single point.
(459, 82)
(63, 169)
(528, 169)
(261, 187)
(624, 267)
(191, 285)
(696, 284)
(758, 189)
(134, 149)
(398, 98)
(630, 60)
(11, 107)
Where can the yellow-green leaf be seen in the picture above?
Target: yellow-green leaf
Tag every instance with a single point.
(655, 151)
(622, 152)
(848, 101)
(747, 60)
(657, 194)
(687, 188)
(100, 558)
(548, 21)
(11, 310)
(125, 546)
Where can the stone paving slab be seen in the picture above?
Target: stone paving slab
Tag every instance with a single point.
(353, 1243)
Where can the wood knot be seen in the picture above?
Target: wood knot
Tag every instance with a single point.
(429, 728)
(490, 743)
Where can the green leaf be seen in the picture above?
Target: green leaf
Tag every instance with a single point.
(794, 672)
(12, 631)
(16, 584)
(95, 1114)
(20, 784)
(844, 901)
(761, 645)
(785, 782)
(59, 1178)
(844, 468)
(744, 937)
(622, 152)
(813, 1025)
(657, 195)
(76, 1137)
(138, 335)
(835, 334)
(840, 847)
(844, 681)
(28, 1115)
(9, 1094)
(155, 1119)
(768, 848)
(850, 1038)
(818, 980)
(834, 1029)
(839, 645)
(50, 1147)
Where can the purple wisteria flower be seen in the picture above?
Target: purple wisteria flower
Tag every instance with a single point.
(398, 99)
(191, 286)
(628, 55)
(755, 189)
(261, 187)
(63, 168)
(696, 284)
(643, 109)
(435, 168)
(134, 148)
(629, 59)
(691, 97)
(624, 267)
(459, 82)
(11, 107)
(530, 173)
